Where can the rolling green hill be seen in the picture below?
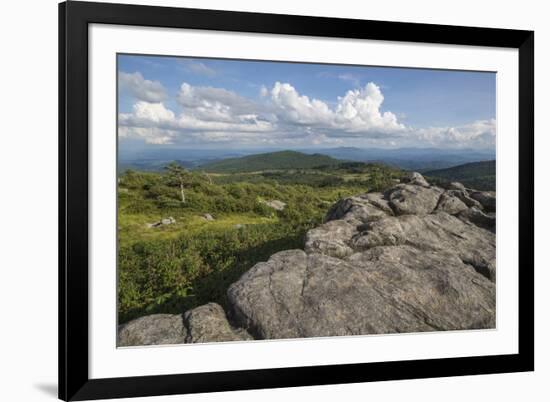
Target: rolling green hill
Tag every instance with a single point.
(269, 161)
(478, 175)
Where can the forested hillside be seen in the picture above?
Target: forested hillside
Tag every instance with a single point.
(270, 161)
(478, 175)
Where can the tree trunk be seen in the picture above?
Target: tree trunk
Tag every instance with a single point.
(182, 193)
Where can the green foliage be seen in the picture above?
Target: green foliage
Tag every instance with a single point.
(272, 160)
(176, 174)
(178, 274)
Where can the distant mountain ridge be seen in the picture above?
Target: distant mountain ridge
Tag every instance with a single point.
(270, 161)
(416, 159)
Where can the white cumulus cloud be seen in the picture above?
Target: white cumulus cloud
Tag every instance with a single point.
(281, 116)
(481, 133)
(299, 109)
(357, 114)
(210, 114)
(198, 99)
(359, 111)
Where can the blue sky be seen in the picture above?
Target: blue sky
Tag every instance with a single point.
(217, 103)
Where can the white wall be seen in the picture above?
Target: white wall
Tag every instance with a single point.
(28, 198)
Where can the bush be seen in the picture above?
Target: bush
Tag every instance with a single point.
(172, 276)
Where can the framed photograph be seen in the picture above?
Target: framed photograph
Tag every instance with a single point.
(259, 201)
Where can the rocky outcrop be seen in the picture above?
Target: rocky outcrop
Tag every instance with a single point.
(437, 232)
(415, 178)
(414, 258)
(155, 329)
(333, 238)
(486, 198)
(450, 204)
(208, 323)
(479, 218)
(382, 290)
(360, 209)
(407, 199)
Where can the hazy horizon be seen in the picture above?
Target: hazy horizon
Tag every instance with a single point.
(127, 152)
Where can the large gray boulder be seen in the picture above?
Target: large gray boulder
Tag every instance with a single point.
(381, 290)
(464, 196)
(409, 199)
(416, 179)
(360, 209)
(208, 323)
(479, 218)
(450, 204)
(155, 329)
(434, 232)
(331, 238)
(486, 198)
(456, 186)
(415, 258)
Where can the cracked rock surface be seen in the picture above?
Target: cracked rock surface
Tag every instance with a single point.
(208, 323)
(414, 258)
(154, 329)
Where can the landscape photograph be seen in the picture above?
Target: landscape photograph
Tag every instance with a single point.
(263, 200)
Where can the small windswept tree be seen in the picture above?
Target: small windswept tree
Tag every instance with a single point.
(208, 178)
(178, 176)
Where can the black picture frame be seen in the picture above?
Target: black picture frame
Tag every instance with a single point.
(74, 18)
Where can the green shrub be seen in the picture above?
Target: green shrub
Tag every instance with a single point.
(175, 275)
